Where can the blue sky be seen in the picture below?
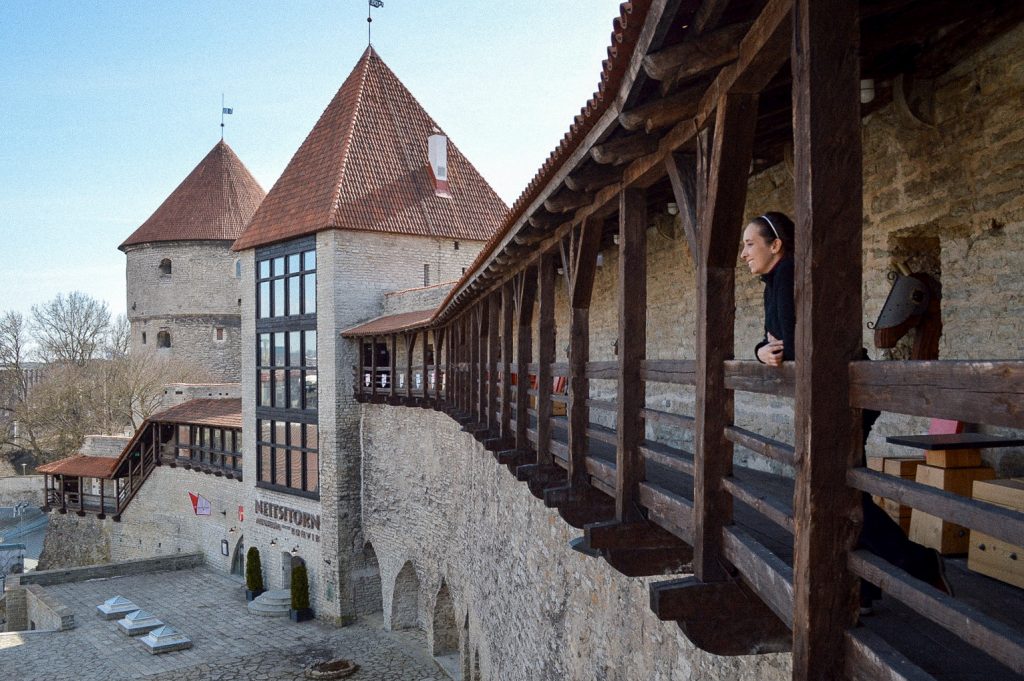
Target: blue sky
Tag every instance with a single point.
(106, 106)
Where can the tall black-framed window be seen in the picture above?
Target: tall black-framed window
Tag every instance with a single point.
(210, 448)
(287, 448)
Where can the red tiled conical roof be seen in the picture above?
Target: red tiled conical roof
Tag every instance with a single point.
(364, 166)
(215, 202)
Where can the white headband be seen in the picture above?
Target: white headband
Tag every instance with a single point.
(768, 220)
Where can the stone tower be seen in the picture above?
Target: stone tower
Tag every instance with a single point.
(183, 279)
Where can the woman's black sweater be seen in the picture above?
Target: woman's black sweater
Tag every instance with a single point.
(779, 310)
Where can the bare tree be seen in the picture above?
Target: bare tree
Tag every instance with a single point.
(71, 329)
(119, 338)
(15, 374)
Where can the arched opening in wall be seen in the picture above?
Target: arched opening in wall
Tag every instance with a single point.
(238, 558)
(464, 649)
(445, 644)
(165, 267)
(163, 339)
(475, 674)
(238, 268)
(366, 583)
(405, 600)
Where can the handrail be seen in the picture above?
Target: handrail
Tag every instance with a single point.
(754, 377)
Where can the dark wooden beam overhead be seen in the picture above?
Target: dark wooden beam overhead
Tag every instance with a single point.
(592, 178)
(545, 221)
(624, 149)
(682, 173)
(708, 15)
(695, 56)
(566, 201)
(663, 112)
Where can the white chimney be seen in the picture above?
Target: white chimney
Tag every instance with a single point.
(437, 151)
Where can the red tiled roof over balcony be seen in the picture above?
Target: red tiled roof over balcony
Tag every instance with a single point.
(364, 166)
(214, 203)
(82, 466)
(220, 413)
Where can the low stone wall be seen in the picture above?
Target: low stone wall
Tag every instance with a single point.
(180, 561)
(31, 608)
(439, 513)
(104, 445)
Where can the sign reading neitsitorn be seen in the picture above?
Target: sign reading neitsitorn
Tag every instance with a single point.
(305, 525)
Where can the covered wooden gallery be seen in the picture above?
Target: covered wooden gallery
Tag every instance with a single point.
(204, 435)
(887, 129)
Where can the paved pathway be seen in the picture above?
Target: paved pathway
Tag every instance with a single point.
(230, 644)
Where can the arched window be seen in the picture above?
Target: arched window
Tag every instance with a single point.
(143, 337)
(238, 268)
(165, 267)
(163, 339)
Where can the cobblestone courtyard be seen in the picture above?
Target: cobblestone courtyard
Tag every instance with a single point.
(230, 644)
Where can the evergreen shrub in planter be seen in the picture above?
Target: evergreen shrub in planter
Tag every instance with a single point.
(253, 574)
(300, 610)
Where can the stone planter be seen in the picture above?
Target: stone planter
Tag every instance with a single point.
(301, 615)
(331, 669)
(252, 595)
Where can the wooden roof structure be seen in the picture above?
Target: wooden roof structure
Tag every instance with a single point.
(213, 203)
(364, 166)
(696, 94)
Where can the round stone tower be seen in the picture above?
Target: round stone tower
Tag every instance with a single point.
(183, 280)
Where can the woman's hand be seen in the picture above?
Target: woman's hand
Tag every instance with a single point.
(771, 354)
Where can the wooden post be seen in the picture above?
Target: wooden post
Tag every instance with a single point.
(102, 503)
(362, 366)
(410, 346)
(483, 327)
(506, 360)
(493, 348)
(546, 352)
(579, 260)
(828, 181)
(394, 366)
(526, 293)
(629, 462)
(426, 383)
(474, 362)
(439, 347)
(720, 228)
(373, 366)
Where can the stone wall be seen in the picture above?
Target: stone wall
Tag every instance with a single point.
(437, 509)
(179, 393)
(200, 295)
(422, 298)
(179, 561)
(104, 445)
(73, 541)
(17, 488)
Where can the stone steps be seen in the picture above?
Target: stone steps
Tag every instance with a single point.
(271, 604)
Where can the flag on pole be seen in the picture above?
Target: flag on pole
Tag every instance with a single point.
(227, 110)
(377, 3)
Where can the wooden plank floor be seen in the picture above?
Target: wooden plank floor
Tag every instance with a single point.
(938, 652)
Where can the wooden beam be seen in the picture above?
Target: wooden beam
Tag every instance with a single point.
(410, 347)
(473, 389)
(682, 173)
(694, 57)
(720, 226)
(630, 466)
(723, 618)
(592, 177)
(624, 149)
(545, 221)
(373, 369)
(439, 348)
(708, 15)
(426, 382)
(662, 112)
(394, 366)
(546, 356)
(828, 180)
(566, 201)
(483, 398)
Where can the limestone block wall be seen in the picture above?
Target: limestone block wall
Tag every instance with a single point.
(104, 445)
(179, 393)
(200, 295)
(18, 488)
(421, 298)
(437, 508)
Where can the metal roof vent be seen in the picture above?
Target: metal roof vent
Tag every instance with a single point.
(437, 151)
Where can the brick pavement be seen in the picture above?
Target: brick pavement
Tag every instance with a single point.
(230, 644)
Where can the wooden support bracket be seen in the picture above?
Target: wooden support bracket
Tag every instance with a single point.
(540, 476)
(579, 505)
(723, 618)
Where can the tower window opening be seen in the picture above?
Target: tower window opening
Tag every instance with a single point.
(163, 339)
(219, 333)
(143, 337)
(238, 268)
(165, 267)
(456, 246)
(426, 274)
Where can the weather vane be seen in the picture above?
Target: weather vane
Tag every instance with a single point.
(223, 110)
(370, 4)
